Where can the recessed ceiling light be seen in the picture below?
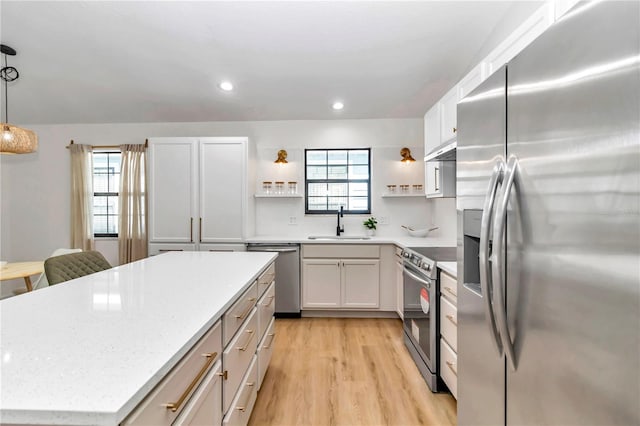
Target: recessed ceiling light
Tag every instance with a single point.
(337, 105)
(226, 86)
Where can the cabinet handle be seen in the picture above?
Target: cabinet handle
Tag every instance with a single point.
(455, 130)
(224, 374)
(191, 231)
(174, 406)
(435, 178)
(246, 345)
(167, 250)
(270, 301)
(244, 314)
(273, 336)
(450, 318)
(249, 384)
(200, 232)
(450, 365)
(451, 292)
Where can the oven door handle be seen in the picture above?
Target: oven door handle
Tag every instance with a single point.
(417, 278)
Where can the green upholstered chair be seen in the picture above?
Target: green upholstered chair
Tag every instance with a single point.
(74, 265)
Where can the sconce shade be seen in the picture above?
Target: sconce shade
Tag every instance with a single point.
(16, 140)
(406, 155)
(282, 157)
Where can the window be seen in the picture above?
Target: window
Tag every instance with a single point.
(337, 177)
(106, 183)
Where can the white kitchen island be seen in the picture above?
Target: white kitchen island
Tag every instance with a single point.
(89, 350)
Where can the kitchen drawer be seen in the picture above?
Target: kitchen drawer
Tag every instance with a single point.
(449, 323)
(449, 287)
(238, 312)
(266, 308)
(159, 248)
(205, 407)
(341, 251)
(176, 385)
(240, 411)
(265, 349)
(266, 279)
(237, 356)
(449, 367)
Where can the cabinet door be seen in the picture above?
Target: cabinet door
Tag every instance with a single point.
(471, 80)
(222, 189)
(172, 189)
(432, 128)
(360, 283)
(205, 406)
(320, 283)
(448, 114)
(432, 178)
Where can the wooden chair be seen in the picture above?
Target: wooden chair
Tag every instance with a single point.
(74, 265)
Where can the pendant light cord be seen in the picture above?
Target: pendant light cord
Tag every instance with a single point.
(6, 95)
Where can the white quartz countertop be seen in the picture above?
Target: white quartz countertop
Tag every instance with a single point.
(404, 241)
(449, 267)
(89, 350)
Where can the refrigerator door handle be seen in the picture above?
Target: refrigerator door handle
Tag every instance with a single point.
(485, 279)
(497, 266)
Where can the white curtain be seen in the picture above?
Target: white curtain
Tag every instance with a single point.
(132, 225)
(81, 196)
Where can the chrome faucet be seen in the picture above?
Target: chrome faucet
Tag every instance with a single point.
(340, 229)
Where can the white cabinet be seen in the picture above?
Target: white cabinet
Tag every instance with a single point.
(432, 128)
(539, 21)
(197, 190)
(448, 115)
(204, 407)
(449, 332)
(351, 281)
(440, 179)
(472, 80)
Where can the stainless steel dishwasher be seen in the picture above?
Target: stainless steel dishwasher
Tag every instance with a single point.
(287, 277)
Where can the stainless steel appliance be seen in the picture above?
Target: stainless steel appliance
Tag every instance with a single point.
(287, 277)
(421, 300)
(548, 205)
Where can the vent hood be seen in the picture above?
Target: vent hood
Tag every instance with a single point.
(444, 152)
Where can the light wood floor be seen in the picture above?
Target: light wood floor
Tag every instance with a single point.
(336, 371)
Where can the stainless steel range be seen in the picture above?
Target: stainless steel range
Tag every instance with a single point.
(421, 304)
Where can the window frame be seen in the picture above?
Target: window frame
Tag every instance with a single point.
(105, 194)
(347, 181)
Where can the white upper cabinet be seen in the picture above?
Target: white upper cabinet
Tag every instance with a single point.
(172, 187)
(448, 114)
(222, 189)
(472, 80)
(521, 37)
(197, 190)
(432, 128)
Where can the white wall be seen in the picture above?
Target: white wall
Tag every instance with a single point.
(34, 209)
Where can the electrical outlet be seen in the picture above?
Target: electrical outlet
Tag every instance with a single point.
(384, 220)
(293, 220)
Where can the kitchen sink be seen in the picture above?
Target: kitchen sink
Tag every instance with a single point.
(335, 237)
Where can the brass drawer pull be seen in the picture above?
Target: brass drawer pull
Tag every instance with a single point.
(250, 384)
(244, 314)
(224, 374)
(450, 365)
(200, 231)
(246, 345)
(451, 292)
(191, 231)
(450, 318)
(270, 301)
(168, 250)
(273, 336)
(174, 406)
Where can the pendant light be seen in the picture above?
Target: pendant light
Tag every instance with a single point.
(13, 139)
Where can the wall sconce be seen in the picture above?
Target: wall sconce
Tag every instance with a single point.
(282, 157)
(406, 156)
(14, 140)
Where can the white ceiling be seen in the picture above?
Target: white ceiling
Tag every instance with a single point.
(161, 61)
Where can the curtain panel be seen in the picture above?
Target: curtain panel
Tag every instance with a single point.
(81, 196)
(132, 217)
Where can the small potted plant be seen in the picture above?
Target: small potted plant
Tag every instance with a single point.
(370, 224)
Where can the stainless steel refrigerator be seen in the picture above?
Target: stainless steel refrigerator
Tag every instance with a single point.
(548, 184)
